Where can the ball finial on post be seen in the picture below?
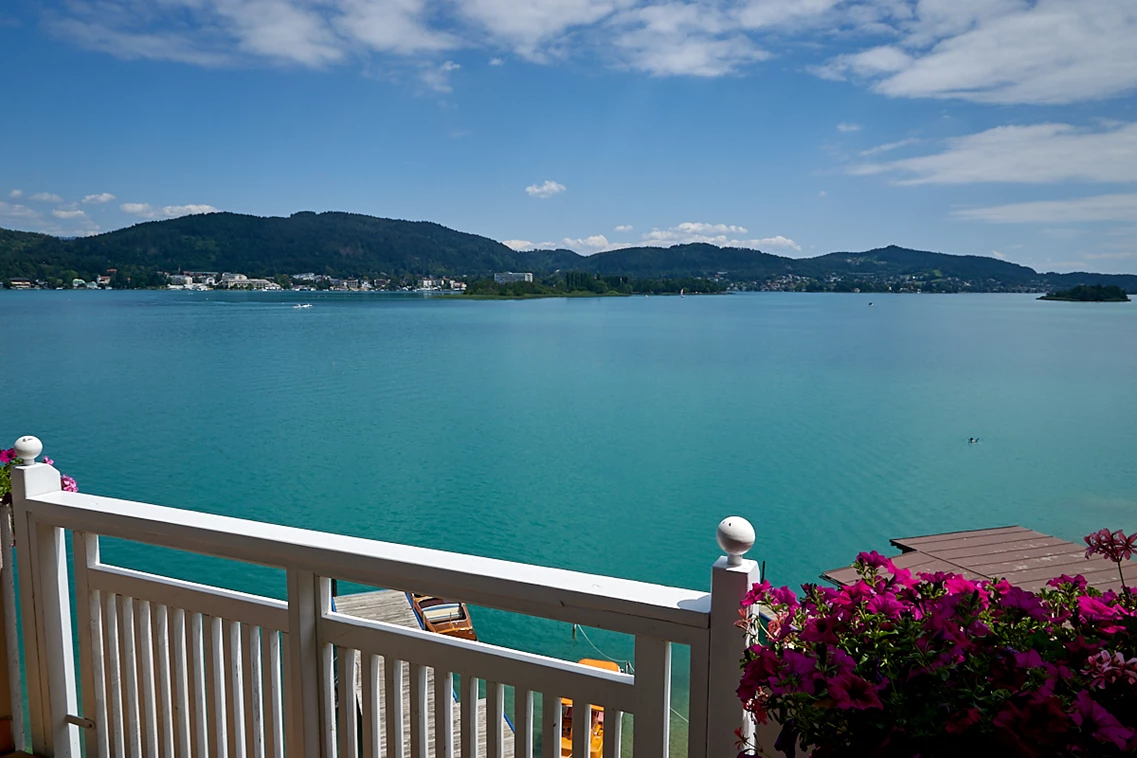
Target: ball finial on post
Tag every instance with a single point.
(736, 536)
(28, 449)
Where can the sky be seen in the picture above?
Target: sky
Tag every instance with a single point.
(1004, 128)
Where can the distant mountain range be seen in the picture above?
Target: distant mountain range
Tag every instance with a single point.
(353, 245)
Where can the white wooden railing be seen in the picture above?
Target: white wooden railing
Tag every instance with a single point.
(173, 668)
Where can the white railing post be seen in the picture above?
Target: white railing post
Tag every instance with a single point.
(45, 600)
(11, 697)
(731, 578)
(308, 600)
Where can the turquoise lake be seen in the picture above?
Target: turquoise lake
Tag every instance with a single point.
(604, 435)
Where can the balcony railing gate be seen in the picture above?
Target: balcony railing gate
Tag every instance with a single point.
(174, 668)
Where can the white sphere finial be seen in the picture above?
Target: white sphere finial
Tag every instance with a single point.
(736, 536)
(28, 449)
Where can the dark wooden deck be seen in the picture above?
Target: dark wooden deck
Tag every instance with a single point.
(1024, 557)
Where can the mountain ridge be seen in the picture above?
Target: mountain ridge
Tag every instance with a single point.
(336, 243)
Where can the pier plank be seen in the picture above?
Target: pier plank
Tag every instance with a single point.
(392, 607)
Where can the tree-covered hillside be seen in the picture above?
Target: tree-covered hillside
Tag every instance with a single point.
(350, 245)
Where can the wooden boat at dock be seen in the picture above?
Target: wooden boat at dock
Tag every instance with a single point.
(440, 616)
(596, 728)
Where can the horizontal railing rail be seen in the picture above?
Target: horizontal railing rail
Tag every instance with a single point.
(169, 667)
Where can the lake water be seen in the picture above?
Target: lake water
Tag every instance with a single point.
(605, 435)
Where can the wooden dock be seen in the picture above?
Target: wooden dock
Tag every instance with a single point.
(392, 607)
(1024, 557)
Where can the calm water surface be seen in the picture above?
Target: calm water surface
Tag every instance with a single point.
(605, 435)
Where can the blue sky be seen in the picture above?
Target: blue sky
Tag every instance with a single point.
(989, 127)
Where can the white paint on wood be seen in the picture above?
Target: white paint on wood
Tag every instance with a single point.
(11, 630)
(234, 697)
(304, 707)
(443, 714)
(130, 676)
(600, 601)
(202, 693)
(551, 725)
(146, 683)
(251, 641)
(613, 732)
(165, 681)
(522, 723)
(85, 548)
(116, 712)
(727, 642)
(420, 740)
(395, 708)
(480, 660)
(274, 701)
(215, 652)
(469, 698)
(370, 704)
(652, 734)
(181, 688)
(347, 661)
(495, 720)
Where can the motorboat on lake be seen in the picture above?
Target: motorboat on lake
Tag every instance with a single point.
(596, 727)
(447, 617)
(302, 305)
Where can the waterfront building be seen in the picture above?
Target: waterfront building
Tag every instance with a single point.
(508, 277)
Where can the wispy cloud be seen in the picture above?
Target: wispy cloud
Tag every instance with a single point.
(99, 199)
(624, 228)
(46, 197)
(724, 235)
(16, 194)
(1036, 154)
(518, 244)
(16, 211)
(145, 210)
(847, 127)
(889, 147)
(438, 77)
(1117, 207)
(545, 190)
(65, 214)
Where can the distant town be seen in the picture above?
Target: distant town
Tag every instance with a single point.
(306, 282)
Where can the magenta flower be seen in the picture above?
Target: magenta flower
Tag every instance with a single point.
(1113, 546)
(48, 461)
(1099, 722)
(68, 483)
(850, 691)
(7, 456)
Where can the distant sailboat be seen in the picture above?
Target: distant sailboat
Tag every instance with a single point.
(681, 291)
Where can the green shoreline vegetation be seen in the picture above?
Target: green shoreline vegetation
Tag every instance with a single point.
(583, 284)
(1089, 293)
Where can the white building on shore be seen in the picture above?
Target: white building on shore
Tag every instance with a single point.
(508, 277)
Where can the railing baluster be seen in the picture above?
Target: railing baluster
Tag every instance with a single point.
(581, 725)
(495, 720)
(130, 674)
(522, 723)
(202, 692)
(215, 692)
(652, 733)
(181, 697)
(349, 716)
(288, 694)
(251, 678)
(551, 725)
(90, 625)
(145, 640)
(114, 676)
(443, 714)
(369, 675)
(613, 732)
(328, 698)
(165, 693)
(274, 707)
(419, 736)
(469, 697)
(234, 698)
(393, 680)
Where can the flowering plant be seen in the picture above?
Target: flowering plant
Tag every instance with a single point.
(8, 459)
(937, 665)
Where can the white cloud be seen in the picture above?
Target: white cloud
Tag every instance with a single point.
(1117, 207)
(59, 213)
(548, 189)
(9, 210)
(847, 127)
(997, 51)
(592, 244)
(99, 199)
(1003, 51)
(624, 228)
(1041, 153)
(497, 62)
(997, 254)
(889, 147)
(16, 194)
(145, 210)
(46, 197)
(723, 235)
(518, 244)
(438, 77)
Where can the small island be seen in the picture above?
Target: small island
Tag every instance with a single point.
(1089, 293)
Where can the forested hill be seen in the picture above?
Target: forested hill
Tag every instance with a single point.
(353, 245)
